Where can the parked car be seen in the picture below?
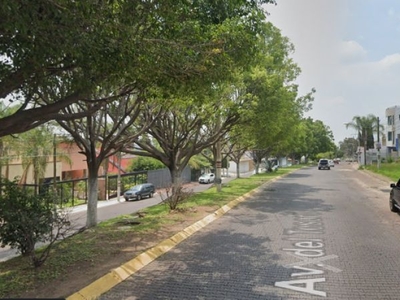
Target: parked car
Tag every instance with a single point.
(207, 178)
(331, 163)
(323, 164)
(140, 191)
(394, 198)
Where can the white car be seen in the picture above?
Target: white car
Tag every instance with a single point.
(331, 163)
(207, 178)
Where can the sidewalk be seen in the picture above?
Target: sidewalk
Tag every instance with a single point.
(191, 185)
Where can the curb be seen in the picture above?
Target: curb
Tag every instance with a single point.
(117, 275)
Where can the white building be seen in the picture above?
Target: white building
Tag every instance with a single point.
(392, 128)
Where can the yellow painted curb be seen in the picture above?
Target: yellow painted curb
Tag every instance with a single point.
(116, 276)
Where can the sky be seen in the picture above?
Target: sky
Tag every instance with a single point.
(349, 51)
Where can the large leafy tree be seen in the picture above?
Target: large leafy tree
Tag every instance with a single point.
(103, 134)
(196, 118)
(183, 130)
(70, 48)
(112, 50)
(320, 137)
(349, 147)
(277, 108)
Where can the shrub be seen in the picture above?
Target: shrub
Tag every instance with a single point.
(27, 219)
(176, 196)
(145, 163)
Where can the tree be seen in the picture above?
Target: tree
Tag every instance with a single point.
(365, 126)
(182, 131)
(35, 147)
(277, 109)
(349, 147)
(103, 134)
(70, 48)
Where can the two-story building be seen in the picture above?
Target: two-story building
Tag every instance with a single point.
(392, 129)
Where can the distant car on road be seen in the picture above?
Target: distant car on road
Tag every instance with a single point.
(140, 191)
(207, 178)
(331, 163)
(394, 198)
(323, 164)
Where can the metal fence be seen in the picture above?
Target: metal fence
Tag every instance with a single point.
(162, 178)
(75, 191)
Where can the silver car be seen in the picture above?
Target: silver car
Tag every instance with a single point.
(207, 178)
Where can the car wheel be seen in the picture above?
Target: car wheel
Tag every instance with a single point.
(126, 199)
(151, 195)
(329, 168)
(139, 197)
(392, 207)
(319, 168)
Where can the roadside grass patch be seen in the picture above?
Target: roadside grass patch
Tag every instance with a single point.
(92, 253)
(390, 170)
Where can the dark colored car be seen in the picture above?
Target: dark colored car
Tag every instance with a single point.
(394, 198)
(139, 191)
(323, 164)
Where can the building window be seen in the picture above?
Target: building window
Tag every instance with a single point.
(390, 120)
(390, 135)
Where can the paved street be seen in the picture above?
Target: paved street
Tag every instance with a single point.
(313, 234)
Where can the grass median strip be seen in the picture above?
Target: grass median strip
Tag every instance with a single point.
(86, 257)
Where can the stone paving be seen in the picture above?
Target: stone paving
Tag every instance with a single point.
(311, 235)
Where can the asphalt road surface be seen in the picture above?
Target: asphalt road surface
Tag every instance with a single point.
(311, 235)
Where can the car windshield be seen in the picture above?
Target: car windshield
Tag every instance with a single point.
(135, 188)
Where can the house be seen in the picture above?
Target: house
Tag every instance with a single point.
(246, 164)
(70, 164)
(77, 167)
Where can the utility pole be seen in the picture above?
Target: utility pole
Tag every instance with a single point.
(54, 163)
(119, 177)
(378, 145)
(218, 166)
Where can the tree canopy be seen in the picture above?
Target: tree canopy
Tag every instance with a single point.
(56, 53)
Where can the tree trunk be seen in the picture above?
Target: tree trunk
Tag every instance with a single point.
(257, 167)
(176, 179)
(91, 217)
(176, 190)
(1, 159)
(238, 169)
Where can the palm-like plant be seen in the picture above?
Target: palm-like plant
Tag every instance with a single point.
(36, 148)
(366, 126)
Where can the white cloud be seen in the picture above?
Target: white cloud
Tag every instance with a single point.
(351, 52)
(383, 73)
(389, 61)
(355, 68)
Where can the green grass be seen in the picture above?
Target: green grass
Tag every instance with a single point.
(92, 246)
(390, 170)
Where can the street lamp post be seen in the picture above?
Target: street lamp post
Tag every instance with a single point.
(378, 146)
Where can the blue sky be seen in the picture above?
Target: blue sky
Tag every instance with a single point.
(349, 51)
